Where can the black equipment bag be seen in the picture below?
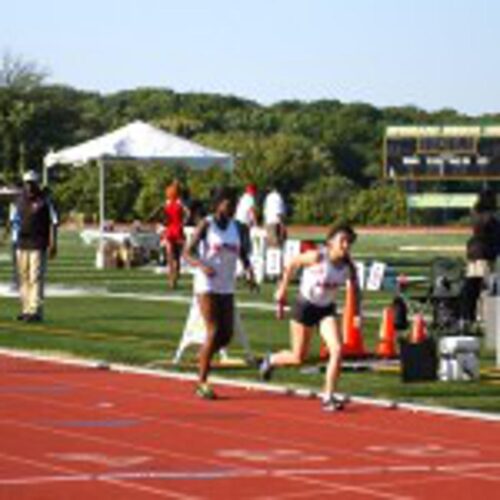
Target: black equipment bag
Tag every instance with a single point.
(419, 362)
(400, 313)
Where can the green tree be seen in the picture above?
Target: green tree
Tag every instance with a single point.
(154, 180)
(18, 73)
(18, 79)
(323, 200)
(382, 204)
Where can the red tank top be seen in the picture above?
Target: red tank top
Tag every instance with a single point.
(174, 214)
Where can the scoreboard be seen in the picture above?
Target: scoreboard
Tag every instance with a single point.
(442, 152)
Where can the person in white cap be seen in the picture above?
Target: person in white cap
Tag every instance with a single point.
(37, 240)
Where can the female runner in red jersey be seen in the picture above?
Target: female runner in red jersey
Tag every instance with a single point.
(175, 212)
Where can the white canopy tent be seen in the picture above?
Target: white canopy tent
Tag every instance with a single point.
(141, 143)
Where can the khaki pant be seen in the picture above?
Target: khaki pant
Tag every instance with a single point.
(276, 235)
(31, 266)
(479, 269)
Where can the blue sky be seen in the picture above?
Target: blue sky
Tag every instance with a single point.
(429, 53)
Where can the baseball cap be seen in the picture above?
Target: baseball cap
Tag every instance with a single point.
(31, 176)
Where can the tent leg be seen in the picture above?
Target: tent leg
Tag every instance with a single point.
(45, 176)
(100, 248)
(101, 197)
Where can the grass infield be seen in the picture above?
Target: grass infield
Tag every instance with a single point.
(120, 328)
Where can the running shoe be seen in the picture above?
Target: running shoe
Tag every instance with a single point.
(205, 391)
(333, 403)
(33, 318)
(266, 368)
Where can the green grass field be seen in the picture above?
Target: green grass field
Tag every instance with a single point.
(119, 327)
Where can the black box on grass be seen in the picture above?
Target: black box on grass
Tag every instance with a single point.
(419, 362)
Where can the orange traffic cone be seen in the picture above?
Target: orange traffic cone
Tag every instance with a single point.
(352, 346)
(387, 338)
(418, 330)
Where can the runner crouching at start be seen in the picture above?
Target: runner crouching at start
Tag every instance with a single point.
(218, 242)
(324, 270)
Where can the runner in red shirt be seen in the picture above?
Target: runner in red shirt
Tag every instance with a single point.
(175, 212)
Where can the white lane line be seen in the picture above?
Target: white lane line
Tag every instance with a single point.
(422, 450)
(101, 459)
(390, 469)
(477, 475)
(244, 473)
(38, 480)
(128, 476)
(71, 473)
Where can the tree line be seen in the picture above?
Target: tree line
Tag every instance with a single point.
(324, 156)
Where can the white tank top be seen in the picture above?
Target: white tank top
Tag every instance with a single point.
(220, 250)
(320, 281)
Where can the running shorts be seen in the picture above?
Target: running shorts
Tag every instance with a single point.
(308, 314)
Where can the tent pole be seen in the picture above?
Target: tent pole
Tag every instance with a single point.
(100, 261)
(101, 197)
(45, 175)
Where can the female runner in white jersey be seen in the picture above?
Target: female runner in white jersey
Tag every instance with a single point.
(324, 270)
(218, 242)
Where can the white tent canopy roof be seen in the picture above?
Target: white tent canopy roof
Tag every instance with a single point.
(140, 141)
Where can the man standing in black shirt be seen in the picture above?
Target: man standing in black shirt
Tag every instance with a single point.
(483, 249)
(37, 241)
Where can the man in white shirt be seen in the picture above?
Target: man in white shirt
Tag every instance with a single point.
(246, 210)
(274, 219)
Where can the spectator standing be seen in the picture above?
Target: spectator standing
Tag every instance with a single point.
(274, 219)
(483, 248)
(37, 240)
(246, 210)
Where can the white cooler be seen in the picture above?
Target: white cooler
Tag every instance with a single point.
(492, 320)
(459, 358)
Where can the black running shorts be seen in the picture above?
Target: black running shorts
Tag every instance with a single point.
(308, 314)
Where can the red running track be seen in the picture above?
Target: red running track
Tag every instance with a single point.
(75, 432)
